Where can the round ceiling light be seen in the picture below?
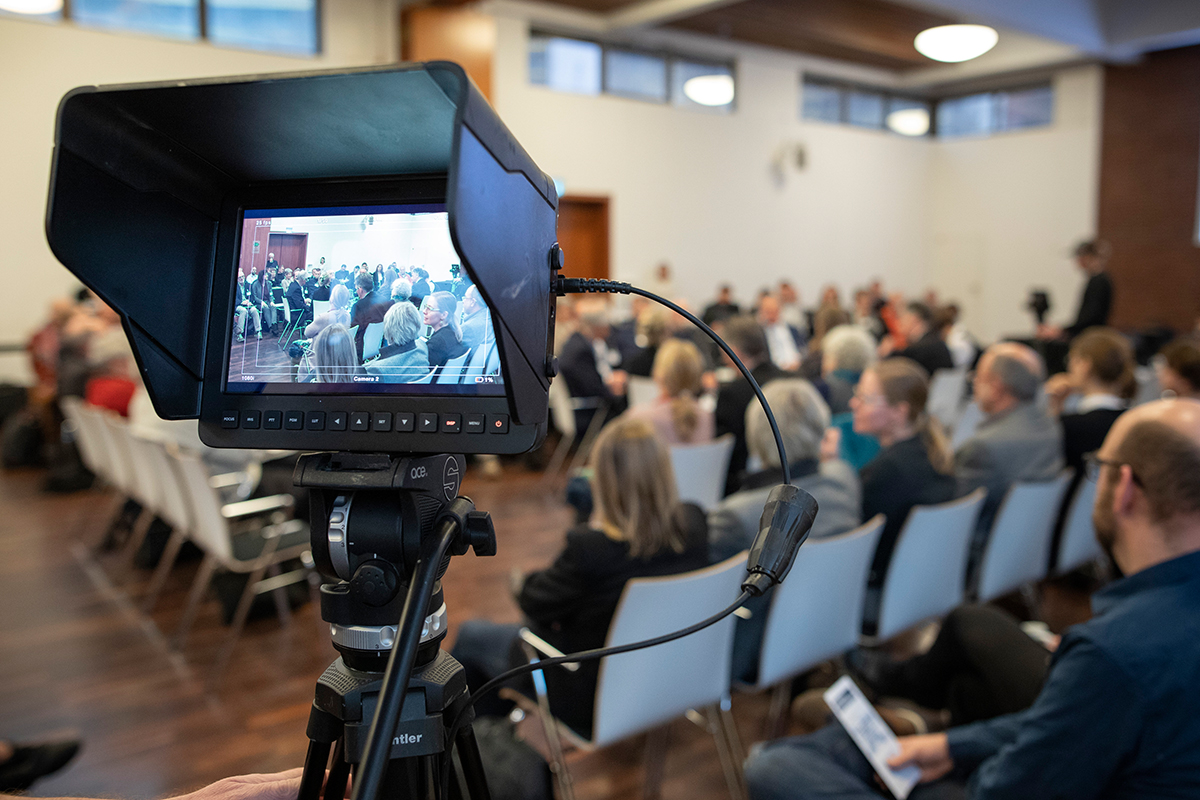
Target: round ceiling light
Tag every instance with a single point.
(32, 6)
(954, 43)
(909, 121)
(707, 90)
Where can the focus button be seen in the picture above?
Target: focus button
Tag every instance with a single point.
(229, 419)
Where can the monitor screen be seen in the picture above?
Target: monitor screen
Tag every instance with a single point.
(357, 300)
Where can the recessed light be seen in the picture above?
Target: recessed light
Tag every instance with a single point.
(32, 6)
(909, 121)
(955, 43)
(710, 90)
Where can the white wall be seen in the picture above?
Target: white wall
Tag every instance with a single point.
(1006, 210)
(41, 62)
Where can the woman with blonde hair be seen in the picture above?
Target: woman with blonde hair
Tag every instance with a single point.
(638, 529)
(336, 360)
(676, 413)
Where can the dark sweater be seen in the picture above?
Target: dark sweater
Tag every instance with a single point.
(1094, 306)
(443, 346)
(571, 603)
(897, 479)
(929, 351)
(1084, 433)
(732, 399)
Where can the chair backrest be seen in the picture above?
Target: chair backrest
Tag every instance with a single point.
(967, 422)
(175, 509)
(947, 389)
(1148, 386)
(640, 690)
(925, 576)
(91, 449)
(478, 362)
(1018, 546)
(209, 530)
(641, 390)
(1078, 544)
(372, 339)
(121, 471)
(560, 408)
(353, 331)
(493, 361)
(700, 470)
(320, 307)
(453, 369)
(145, 470)
(816, 612)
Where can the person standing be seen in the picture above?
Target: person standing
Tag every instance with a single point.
(1095, 305)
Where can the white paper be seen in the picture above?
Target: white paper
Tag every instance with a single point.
(872, 735)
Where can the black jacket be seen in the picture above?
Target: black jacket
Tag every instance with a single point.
(1094, 306)
(443, 346)
(296, 297)
(577, 365)
(1084, 433)
(371, 307)
(929, 351)
(571, 603)
(732, 399)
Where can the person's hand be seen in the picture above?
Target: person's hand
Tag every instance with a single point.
(277, 786)
(831, 444)
(887, 346)
(1058, 388)
(618, 382)
(930, 752)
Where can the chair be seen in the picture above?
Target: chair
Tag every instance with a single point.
(250, 537)
(452, 371)
(320, 307)
(372, 340)
(925, 576)
(968, 422)
(700, 470)
(1078, 544)
(564, 420)
(947, 389)
(645, 689)
(1018, 548)
(641, 390)
(816, 613)
(426, 378)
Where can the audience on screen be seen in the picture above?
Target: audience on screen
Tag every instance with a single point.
(475, 320)
(421, 287)
(334, 358)
(404, 358)
(676, 414)
(369, 309)
(246, 308)
(338, 313)
(446, 337)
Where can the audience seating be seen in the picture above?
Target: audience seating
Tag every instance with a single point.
(947, 396)
(641, 391)
(453, 369)
(1018, 547)
(965, 427)
(816, 613)
(251, 537)
(643, 690)
(928, 567)
(1078, 544)
(320, 307)
(700, 470)
(372, 340)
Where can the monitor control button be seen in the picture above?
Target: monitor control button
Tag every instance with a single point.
(229, 419)
(293, 420)
(475, 423)
(251, 420)
(272, 420)
(360, 421)
(497, 423)
(315, 421)
(337, 420)
(383, 421)
(406, 421)
(427, 422)
(451, 423)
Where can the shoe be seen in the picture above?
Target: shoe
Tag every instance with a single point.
(258, 334)
(869, 668)
(241, 338)
(29, 763)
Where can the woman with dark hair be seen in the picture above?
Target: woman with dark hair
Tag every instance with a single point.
(1100, 376)
(639, 529)
(1178, 368)
(445, 337)
(915, 466)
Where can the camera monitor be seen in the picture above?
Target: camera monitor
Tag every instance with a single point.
(405, 168)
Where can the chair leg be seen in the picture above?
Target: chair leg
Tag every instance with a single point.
(199, 586)
(137, 535)
(558, 762)
(283, 609)
(658, 741)
(778, 713)
(729, 726)
(729, 763)
(235, 628)
(165, 563)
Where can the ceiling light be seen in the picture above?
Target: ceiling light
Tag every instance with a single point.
(954, 43)
(32, 6)
(909, 121)
(707, 90)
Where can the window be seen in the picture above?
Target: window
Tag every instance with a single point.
(584, 67)
(995, 112)
(827, 100)
(286, 26)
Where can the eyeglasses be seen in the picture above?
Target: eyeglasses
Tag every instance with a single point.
(1092, 464)
(868, 399)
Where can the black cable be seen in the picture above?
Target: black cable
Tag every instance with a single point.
(564, 286)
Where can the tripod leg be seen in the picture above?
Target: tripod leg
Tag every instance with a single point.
(472, 763)
(314, 770)
(339, 773)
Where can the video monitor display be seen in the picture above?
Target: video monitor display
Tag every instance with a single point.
(357, 300)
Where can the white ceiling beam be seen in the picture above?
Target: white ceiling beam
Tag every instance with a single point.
(648, 13)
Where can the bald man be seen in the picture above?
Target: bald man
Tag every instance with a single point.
(1119, 713)
(1018, 440)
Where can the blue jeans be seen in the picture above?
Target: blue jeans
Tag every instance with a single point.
(826, 764)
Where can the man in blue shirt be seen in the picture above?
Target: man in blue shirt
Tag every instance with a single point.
(1119, 714)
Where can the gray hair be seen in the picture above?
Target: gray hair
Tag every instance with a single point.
(401, 323)
(848, 347)
(401, 289)
(1016, 377)
(801, 414)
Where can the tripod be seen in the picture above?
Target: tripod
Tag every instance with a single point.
(386, 526)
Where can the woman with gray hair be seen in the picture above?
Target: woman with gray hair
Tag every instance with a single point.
(802, 417)
(338, 313)
(846, 351)
(404, 358)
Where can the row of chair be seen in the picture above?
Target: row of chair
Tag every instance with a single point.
(246, 536)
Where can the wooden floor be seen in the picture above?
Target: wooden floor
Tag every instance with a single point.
(262, 358)
(77, 658)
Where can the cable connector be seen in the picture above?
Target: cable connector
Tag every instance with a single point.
(564, 286)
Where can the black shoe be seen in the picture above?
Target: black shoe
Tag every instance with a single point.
(871, 669)
(29, 763)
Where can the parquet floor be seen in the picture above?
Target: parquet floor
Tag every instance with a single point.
(76, 657)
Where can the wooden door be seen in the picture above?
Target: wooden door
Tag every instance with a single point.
(255, 244)
(290, 250)
(583, 235)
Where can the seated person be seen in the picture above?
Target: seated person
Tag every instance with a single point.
(920, 331)
(323, 290)
(746, 338)
(299, 304)
(1118, 715)
(652, 331)
(589, 367)
(676, 414)
(1100, 376)
(475, 318)
(846, 351)
(445, 337)
(785, 342)
(246, 308)
(338, 313)
(803, 418)
(401, 290)
(368, 309)
(403, 359)
(1178, 369)
(826, 319)
(334, 358)
(915, 466)
(640, 529)
(421, 287)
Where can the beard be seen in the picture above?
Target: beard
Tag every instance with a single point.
(1103, 519)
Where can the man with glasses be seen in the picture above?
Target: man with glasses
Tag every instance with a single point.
(1118, 715)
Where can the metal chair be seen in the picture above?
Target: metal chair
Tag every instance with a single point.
(1017, 551)
(641, 390)
(700, 470)
(947, 392)
(1078, 544)
(453, 369)
(372, 340)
